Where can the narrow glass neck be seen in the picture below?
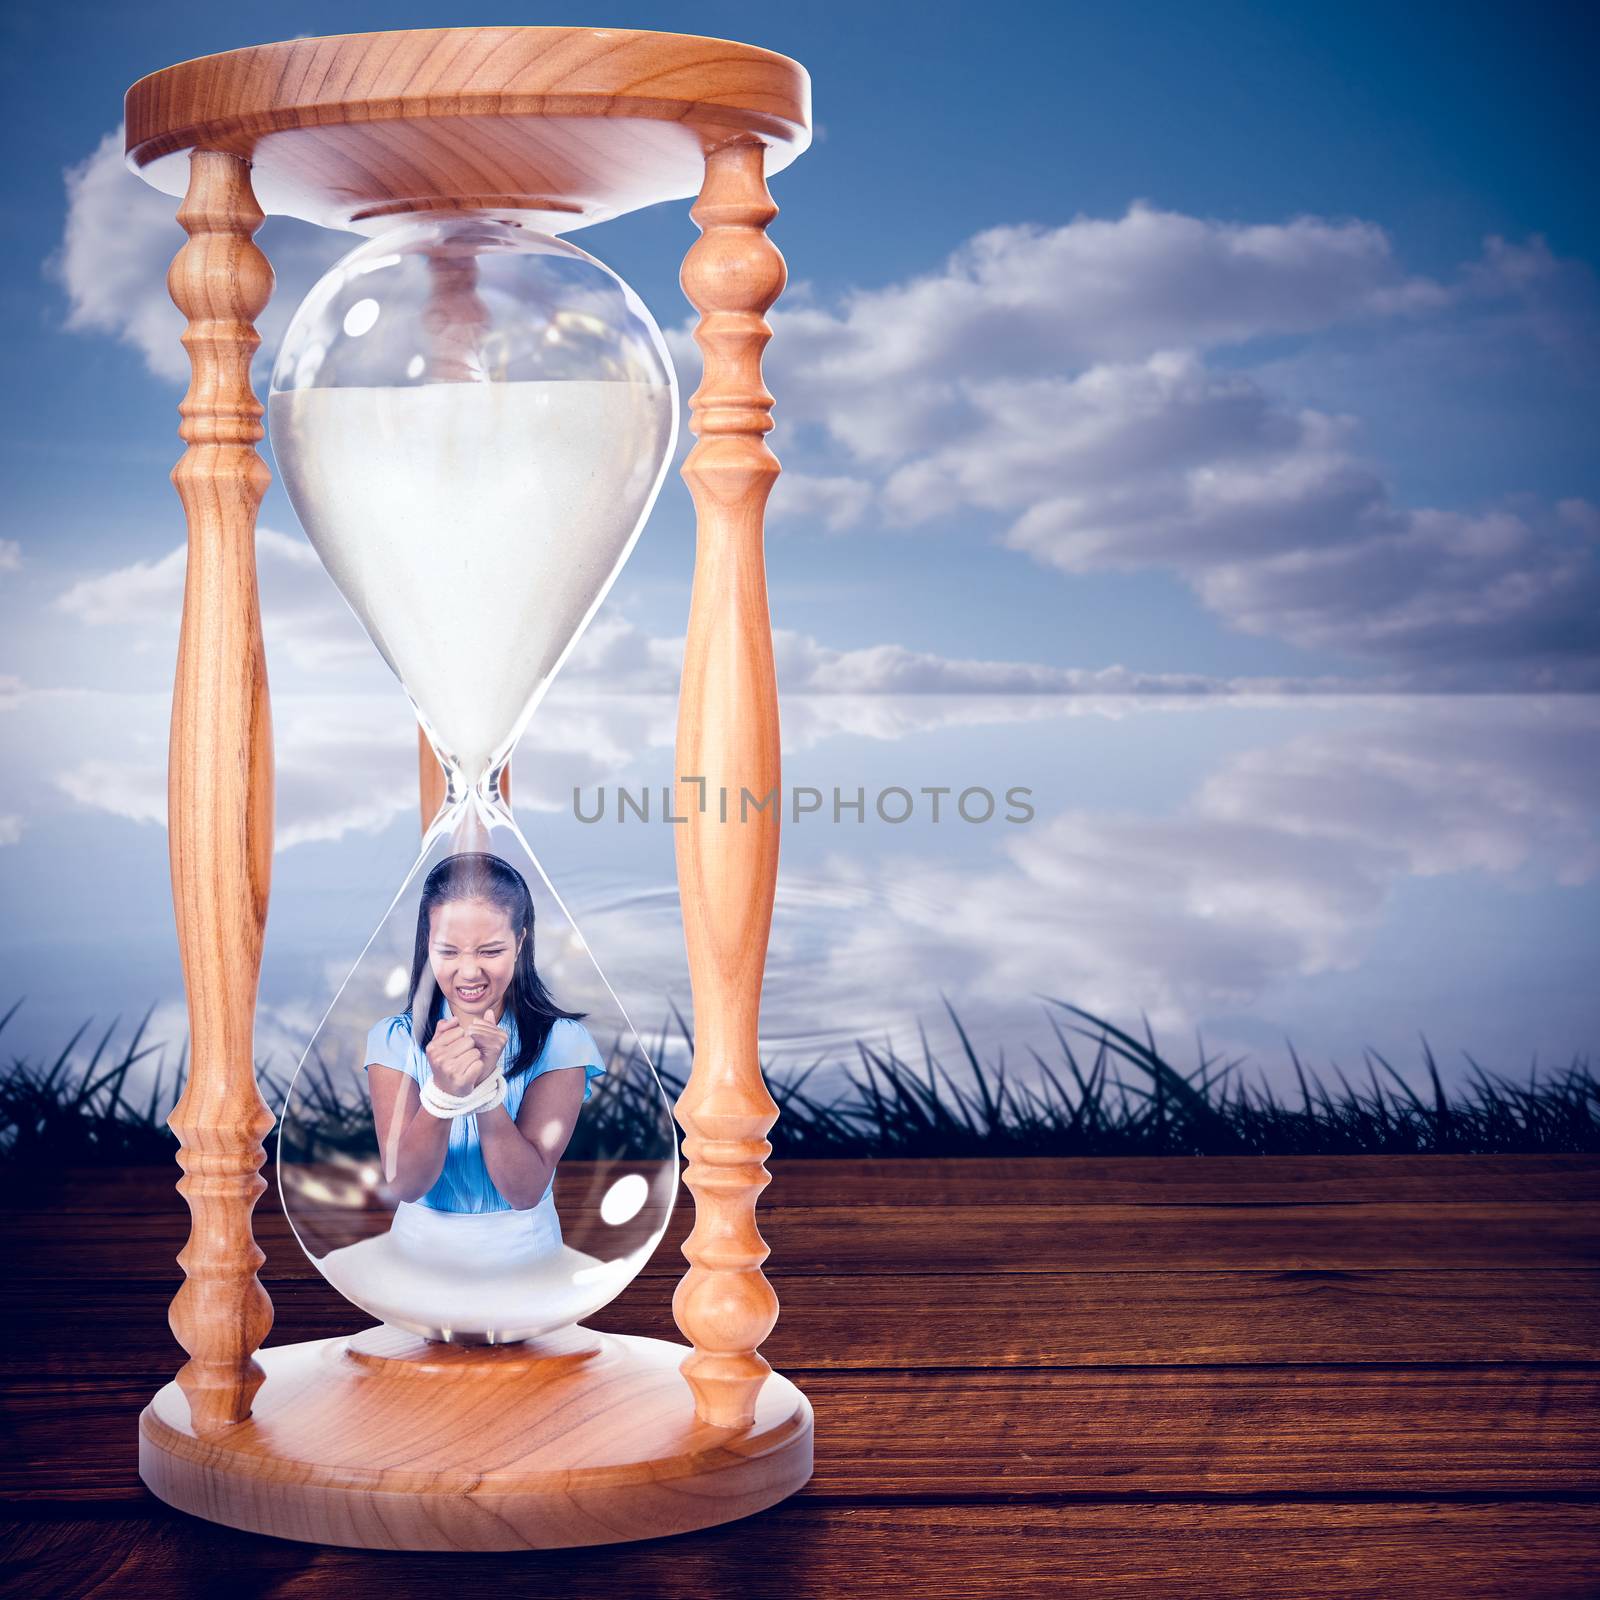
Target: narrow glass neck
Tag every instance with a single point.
(470, 812)
(486, 790)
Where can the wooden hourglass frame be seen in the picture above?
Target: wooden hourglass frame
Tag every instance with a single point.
(383, 1439)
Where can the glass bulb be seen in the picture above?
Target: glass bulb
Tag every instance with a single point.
(472, 421)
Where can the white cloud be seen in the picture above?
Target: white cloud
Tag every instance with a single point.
(806, 666)
(1270, 517)
(303, 615)
(1051, 381)
(135, 789)
(1470, 599)
(10, 829)
(615, 657)
(624, 660)
(1281, 864)
(1478, 785)
(343, 764)
(346, 762)
(835, 503)
(886, 373)
(120, 238)
(309, 627)
(10, 555)
(1545, 299)
(140, 593)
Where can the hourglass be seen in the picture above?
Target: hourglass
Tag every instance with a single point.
(472, 417)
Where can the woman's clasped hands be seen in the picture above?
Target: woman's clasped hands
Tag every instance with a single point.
(464, 1051)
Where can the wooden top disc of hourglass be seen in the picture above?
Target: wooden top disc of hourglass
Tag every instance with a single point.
(577, 124)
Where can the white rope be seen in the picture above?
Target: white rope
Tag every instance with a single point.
(482, 1097)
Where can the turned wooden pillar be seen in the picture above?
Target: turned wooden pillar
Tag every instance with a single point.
(220, 793)
(727, 748)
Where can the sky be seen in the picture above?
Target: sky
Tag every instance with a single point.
(1186, 412)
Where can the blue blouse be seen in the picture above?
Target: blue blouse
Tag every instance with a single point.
(464, 1183)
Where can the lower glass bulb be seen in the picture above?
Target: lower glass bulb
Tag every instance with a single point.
(475, 1146)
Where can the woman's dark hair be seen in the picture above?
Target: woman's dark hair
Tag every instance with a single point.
(476, 875)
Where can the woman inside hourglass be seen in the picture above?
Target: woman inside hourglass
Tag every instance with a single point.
(476, 1088)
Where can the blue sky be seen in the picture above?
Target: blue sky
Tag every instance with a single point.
(1235, 117)
(1127, 350)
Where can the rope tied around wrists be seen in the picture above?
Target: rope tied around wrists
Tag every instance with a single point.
(484, 1096)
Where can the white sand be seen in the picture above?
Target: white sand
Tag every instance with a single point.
(473, 527)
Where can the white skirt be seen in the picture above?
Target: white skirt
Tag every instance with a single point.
(482, 1276)
(476, 1240)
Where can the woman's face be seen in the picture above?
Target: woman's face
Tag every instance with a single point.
(473, 954)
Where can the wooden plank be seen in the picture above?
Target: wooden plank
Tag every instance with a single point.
(982, 1181)
(871, 1328)
(949, 1319)
(1011, 1239)
(1130, 1432)
(1043, 1238)
(1150, 1551)
(1185, 1180)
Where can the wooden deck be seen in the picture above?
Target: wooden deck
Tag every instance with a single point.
(1297, 1377)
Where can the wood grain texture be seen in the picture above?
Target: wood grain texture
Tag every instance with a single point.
(956, 1434)
(830, 1241)
(574, 124)
(727, 748)
(905, 1307)
(1429, 1429)
(220, 793)
(955, 1184)
(1350, 1549)
(390, 1442)
(915, 1321)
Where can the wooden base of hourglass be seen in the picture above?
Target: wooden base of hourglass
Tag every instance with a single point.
(591, 1438)
(387, 1441)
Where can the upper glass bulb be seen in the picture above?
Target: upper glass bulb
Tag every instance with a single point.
(472, 421)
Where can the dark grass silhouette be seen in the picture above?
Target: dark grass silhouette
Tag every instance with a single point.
(1109, 1093)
